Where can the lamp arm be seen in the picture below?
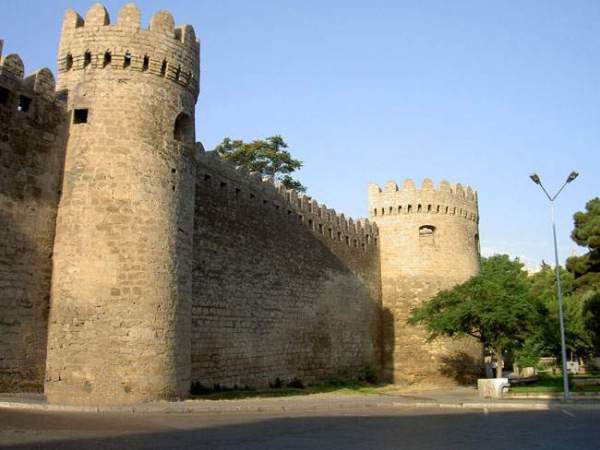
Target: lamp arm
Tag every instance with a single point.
(559, 191)
(546, 192)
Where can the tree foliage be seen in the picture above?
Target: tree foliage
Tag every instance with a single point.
(546, 332)
(493, 306)
(586, 268)
(586, 233)
(266, 156)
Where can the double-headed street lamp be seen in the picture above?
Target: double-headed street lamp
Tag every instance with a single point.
(536, 179)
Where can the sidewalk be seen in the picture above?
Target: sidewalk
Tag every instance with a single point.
(463, 397)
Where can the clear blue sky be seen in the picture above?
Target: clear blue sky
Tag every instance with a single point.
(478, 92)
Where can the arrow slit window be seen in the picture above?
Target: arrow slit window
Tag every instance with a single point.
(427, 235)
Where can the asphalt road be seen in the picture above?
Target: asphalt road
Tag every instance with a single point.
(361, 428)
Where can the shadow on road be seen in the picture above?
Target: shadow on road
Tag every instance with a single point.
(389, 429)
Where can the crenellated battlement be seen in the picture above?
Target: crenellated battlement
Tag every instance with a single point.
(238, 184)
(12, 71)
(447, 198)
(162, 49)
(173, 267)
(32, 97)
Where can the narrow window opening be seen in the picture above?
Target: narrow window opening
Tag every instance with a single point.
(184, 129)
(419, 208)
(355, 243)
(399, 209)
(289, 212)
(178, 73)
(24, 104)
(383, 211)
(301, 217)
(237, 192)
(339, 235)
(446, 210)
(80, 116)
(310, 224)
(252, 195)
(146, 63)
(4, 96)
(265, 202)
(276, 207)
(207, 177)
(69, 62)
(348, 241)
(391, 210)
(331, 232)
(107, 59)
(126, 60)
(428, 208)
(375, 212)
(375, 242)
(426, 235)
(87, 59)
(163, 68)
(409, 209)
(321, 228)
(438, 209)
(426, 230)
(223, 185)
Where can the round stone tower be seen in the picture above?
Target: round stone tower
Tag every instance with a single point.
(121, 292)
(429, 241)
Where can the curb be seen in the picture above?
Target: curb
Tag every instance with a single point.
(176, 408)
(502, 406)
(474, 405)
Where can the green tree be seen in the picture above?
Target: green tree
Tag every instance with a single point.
(546, 332)
(586, 233)
(266, 156)
(586, 268)
(591, 316)
(493, 306)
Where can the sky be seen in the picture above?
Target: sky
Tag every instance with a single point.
(477, 92)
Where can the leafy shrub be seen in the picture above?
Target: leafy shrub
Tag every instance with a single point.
(369, 375)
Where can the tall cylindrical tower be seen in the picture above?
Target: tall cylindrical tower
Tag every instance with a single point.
(429, 241)
(121, 290)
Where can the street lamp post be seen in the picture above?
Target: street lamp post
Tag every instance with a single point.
(536, 179)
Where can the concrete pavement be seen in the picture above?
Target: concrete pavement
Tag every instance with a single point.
(464, 397)
(353, 427)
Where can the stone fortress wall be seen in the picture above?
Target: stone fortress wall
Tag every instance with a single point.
(32, 146)
(170, 266)
(429, 242)
(283, 287)
(121, 292)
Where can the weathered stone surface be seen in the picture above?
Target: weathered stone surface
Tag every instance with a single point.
(492, 387)
(166, 265)
(429, 242)
(121, 291)
(283, 287)
(32, 140)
